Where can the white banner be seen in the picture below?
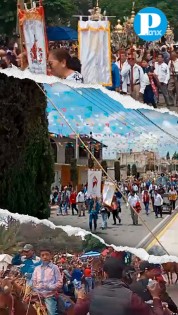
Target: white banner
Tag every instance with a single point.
(95, 52)
(35, 46)
(94, 183)
(108, 193)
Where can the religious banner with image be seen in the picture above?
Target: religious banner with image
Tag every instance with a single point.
(108, 193)
(32, 23)
(94, 183)
(95, 52)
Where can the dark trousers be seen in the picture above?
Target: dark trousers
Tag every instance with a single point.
(91, 222)
(115, 214)
(158, 210)
(173, 204)
(74, 207)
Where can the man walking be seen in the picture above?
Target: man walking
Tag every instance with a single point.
(132, 201)
(146, 199)
(158, 202)
(46, 281)
(81, 202)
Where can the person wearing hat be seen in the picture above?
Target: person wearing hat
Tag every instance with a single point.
(115, 297)
(27, 260)
(148, 272)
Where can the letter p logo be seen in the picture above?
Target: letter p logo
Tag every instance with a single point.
(148, 21)
(150, 24)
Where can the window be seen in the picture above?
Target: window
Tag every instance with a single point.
(82, 152)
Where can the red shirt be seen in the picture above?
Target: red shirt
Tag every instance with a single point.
(87, 272)
(73, 197)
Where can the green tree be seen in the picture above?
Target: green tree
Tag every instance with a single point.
(74, 172)
(175, 156)
(105, 166)
(117, 171)
(167, 156)
(128, 170)
(91, 243)
(26, 160)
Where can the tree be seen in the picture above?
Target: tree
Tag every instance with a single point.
(167, 156)
(91, 243)
(175, 156)
(105, 166)
(91, 163)
(134, 170)
(74, 172)
(26, 159)
(128, 170)
(117, 171)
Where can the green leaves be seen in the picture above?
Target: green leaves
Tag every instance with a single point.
(26, 160)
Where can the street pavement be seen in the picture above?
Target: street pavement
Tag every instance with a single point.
(168, 237)
(124, 234)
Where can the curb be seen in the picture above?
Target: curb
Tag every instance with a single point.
(157, 230)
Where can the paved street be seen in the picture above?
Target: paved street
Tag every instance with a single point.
(122, 235)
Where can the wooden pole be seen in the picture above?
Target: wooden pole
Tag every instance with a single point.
(20, 5)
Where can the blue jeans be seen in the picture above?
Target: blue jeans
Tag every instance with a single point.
(88, 284)
(146, 206)
(104, 216)
(51, 305)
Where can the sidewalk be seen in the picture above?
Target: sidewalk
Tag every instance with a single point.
(168, 237)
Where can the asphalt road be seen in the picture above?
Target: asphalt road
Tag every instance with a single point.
(124, 234)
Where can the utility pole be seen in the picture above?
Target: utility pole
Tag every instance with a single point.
(20, 4)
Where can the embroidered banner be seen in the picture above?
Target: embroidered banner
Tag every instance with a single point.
(33, 27)
(108, 193)
(94, 183)
(95, 52)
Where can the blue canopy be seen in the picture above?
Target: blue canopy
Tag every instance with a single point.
(61, 33)
(90, 254)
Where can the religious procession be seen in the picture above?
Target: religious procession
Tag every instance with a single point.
(64, 283)
(89, 126)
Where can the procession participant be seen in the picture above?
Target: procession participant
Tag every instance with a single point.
(162, 75)
(47, 280)
(80, 199)
(173, 82)
(27, 260)
(150, 272)
(173, 197)
(114, 296)
(158, 202)
(73, 202)
(116, 82)
(146, 199)
(134, 76)
(61, 65)
(133, 200)
(94, 208)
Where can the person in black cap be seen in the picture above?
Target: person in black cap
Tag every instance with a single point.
(148, 272)
(114, 296)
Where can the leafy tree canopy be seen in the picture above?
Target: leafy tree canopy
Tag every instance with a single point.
(61, 11)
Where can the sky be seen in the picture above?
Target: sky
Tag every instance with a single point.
(111, 121)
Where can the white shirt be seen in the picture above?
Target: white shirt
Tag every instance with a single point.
(75, 76)
(132, 200)
(138, 74)
(135, 188)
(175, 66)
(162, 71)
(80, 197)
(158, 200)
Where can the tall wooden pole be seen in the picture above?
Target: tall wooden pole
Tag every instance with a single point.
(20, 5)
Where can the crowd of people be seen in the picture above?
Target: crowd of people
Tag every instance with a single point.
(139, 72)
(140, 195)
(136, 287)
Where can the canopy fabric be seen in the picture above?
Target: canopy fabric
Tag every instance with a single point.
(90, 254)
(61, 33)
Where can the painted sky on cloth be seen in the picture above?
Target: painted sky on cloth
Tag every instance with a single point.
(90, 110)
